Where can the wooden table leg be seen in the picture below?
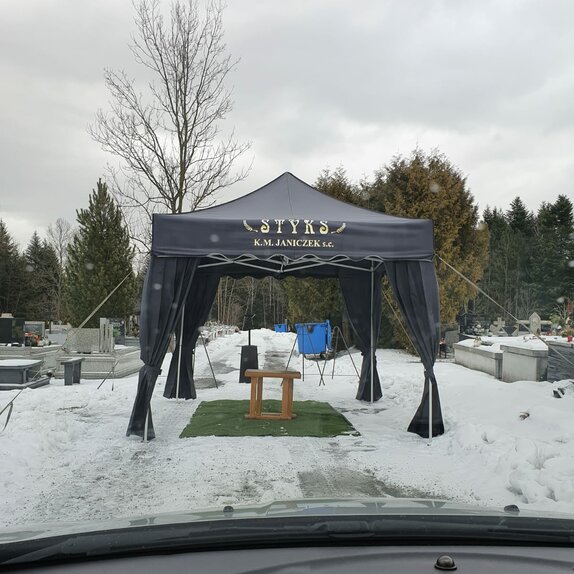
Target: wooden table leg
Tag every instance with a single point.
(284, 398)
(259, 402)
(287, 399)
(253, 401)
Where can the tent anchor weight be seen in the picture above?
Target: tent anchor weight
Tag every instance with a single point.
(249, 357)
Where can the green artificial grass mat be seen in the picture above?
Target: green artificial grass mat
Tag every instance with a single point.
(227, 418)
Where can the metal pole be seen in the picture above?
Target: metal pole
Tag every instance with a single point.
(336, 334)
(430, 411)
(209, 361)
(110, 372)
(349, 353)
(146, 425)
(179, 360)
(291, 354)
(372, 333)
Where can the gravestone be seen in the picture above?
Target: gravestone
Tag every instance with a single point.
(36, 327)
(535, 323)
(11, 329)
(106, 338)
(497, 328)
(84, 340)
(5, 330)
(450, 338)
(560, 361)
(119, 331)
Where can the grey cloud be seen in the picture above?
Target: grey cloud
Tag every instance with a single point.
(324, 82)
(458, 65)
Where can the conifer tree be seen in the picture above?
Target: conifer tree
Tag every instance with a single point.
(519, 218)
(430, 186)
(42, 276)
(496, 281)
(520, 244)
(99, 257)
(552, 270)
(11, 274)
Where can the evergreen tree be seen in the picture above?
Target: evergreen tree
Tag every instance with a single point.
(552, 273)
(99, 257)
(520, 244)
(496, 280)
(520, 219)
(430, 186)
(337, 185)
(11, 274)
(42, 277)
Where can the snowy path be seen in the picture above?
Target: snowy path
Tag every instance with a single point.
(65, 455)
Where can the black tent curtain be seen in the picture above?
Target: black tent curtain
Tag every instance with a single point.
(287, 228)
(415, 287)
(197, 306)
(173, 281)
(359, 290)
(165, 289)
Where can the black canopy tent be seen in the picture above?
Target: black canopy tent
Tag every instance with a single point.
(287, 228)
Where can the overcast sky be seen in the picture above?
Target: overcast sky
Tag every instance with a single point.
(321, 83)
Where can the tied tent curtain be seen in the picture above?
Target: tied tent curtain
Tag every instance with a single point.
(197, 306)
(356, 291)
(165, 289)
(415, 288)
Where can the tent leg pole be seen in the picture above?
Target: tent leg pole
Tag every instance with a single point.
(146, 426)
(430, 412)
(179, 359)
(372, 334)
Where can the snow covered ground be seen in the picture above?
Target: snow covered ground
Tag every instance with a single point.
(65, 456)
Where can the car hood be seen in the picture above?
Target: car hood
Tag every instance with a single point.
(319, 507)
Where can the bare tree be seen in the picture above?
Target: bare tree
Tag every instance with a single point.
(174, 156)
(60, 234)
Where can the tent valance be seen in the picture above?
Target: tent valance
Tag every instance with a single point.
(289, 218)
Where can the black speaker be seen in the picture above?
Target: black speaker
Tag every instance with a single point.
(249, 360)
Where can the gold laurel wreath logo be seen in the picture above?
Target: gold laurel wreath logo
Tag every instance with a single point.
(248, 227)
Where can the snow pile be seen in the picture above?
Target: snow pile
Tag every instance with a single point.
(524, 341)
(65, 454)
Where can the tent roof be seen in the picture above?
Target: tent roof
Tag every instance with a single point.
(292, 219)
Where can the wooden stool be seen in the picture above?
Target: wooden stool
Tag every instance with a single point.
(255, 404)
